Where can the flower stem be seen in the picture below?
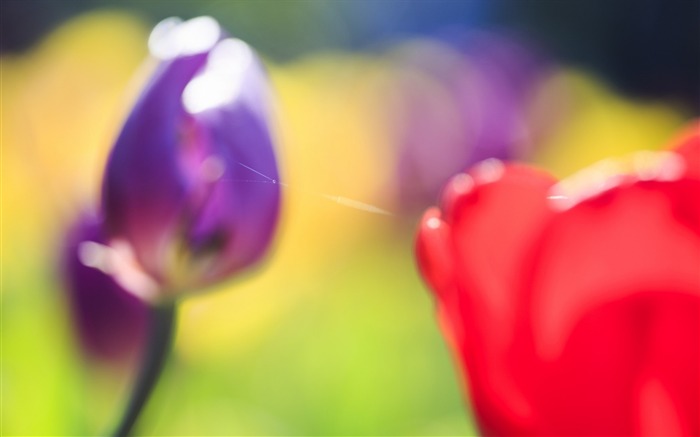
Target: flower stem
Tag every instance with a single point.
(162, 327)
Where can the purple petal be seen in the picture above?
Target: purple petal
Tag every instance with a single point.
(144, 191)
(241, 212)
(191, 184)
(111, 323)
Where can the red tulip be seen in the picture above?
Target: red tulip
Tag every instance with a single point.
(573, 311)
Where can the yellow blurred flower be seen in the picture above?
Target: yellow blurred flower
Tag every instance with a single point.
(62, 104)
(590, 123)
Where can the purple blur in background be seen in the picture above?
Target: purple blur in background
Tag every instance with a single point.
(460, 103)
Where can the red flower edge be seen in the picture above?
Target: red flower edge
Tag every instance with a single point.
(573, 312)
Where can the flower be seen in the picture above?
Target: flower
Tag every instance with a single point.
(110, 322)
(573, 307)
(452, 105)
(191, 193)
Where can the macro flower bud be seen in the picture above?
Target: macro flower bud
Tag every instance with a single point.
(191, 193)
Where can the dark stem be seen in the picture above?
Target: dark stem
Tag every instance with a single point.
(162, 327)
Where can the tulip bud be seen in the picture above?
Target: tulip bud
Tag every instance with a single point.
(190, 192)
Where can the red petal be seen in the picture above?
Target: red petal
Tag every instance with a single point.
(435, 257)
(494, 225)
(471, 256)
(638, 244)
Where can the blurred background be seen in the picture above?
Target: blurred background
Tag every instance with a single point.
(378, 104)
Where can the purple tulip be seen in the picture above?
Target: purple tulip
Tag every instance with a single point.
(110, 322)
(457, 104)
(191, 191)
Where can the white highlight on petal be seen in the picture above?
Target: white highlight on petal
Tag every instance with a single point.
(559, 202)
(172, 37)
(645, 164)
(433, 223)
(213, 168)
(462, 183)
(118, 261)
(222, 79)
(607, 174)
(489, 170)
(669, 166)
(93, 255)
(587, 183)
